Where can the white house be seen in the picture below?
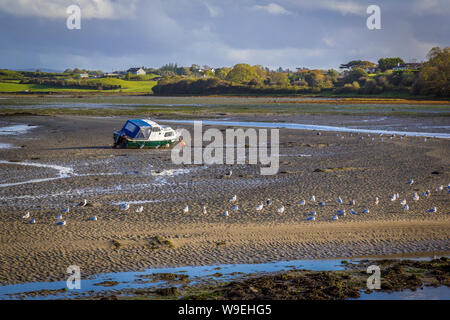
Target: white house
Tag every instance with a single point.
(137, 71)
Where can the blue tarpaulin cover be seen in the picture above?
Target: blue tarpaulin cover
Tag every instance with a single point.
(132, 127)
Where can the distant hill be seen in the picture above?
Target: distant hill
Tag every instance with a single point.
(41, 69)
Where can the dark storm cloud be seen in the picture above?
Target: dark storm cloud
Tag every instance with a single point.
(288, 33)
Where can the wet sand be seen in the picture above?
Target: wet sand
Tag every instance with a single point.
(73, 160)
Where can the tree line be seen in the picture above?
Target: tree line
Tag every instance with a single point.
(357, 77)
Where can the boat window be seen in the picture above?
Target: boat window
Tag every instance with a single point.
(156, 129)
(168, 134)
(130, 127)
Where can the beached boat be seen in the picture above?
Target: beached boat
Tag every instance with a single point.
(142, 133)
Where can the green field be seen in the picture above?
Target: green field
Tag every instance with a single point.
(127, 86)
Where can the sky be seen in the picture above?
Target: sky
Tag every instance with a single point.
(119, 34)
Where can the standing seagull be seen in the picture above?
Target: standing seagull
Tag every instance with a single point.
(352, 211)
(406, 207)
(59, 217)
(32, 221)
(235, 207)
(322, 204)
(26, 216)
(341, 212)
(140, 209)
(124, 206)
(403, 202)
(335, 217)
(204, 209)
(229, 173)
(377, 200)
(186, 209)
(352, 202)
(434, 209)
(268, 202)
(410, 182)
(225, 214)
(259, 207)
(281, 209)
(61, 223)
(233, 198)
(302, 202)
(339, 200)
(415, 196)
(313, 199)
(94, 218)
(365, 211)
(313, 213)
(83, 203)
(65, 211)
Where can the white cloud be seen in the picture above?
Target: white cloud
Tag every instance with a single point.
(272, 8)
(213, 10)
(90, 9)
(342, 6)
(421, 7)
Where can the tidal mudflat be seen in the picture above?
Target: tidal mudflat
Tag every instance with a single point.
(61, 160)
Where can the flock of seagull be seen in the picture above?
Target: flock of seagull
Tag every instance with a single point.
(339, 213)
(311, 216)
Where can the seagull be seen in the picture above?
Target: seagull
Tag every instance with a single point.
(233, 198)
(281, 209)
(268, 202)
(204, 209)
(425, 140)
(140, 209)
(339, 200)
(312, 218)
(259, 207)
(403, 202)
(32, 221)
(434, 209)
(61, 223)
(313, 213)
(124, 206)
(415, 196)
(26, 216)
(82, 203)
(65, 211)
(94, 218)
(352, 202)
(59, 217)
(186, 209)
(365, 211)
(229, 173)
(225, 214)
(406, 207)
(377, 200)
(235, 208)
(410, 182)
(313, 199)
(322, 204)
(302, 202)
(440, 188)
(335, 218)
(352, 211)
(341, 212)
(394, 197)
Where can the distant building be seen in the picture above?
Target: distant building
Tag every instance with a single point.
(408, 66)
(84, 75)
(371, 70)
(137, 71)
